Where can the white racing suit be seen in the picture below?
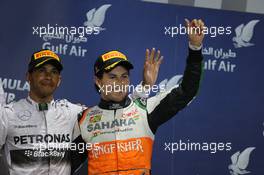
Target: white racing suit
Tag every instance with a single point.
(26, 131)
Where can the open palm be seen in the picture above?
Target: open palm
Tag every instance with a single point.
(151, 67)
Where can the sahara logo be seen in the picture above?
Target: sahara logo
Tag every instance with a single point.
(95, 18)
(240, 162)
(244, 34)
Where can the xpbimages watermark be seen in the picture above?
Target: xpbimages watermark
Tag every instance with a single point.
(212, 147)
(80, 31)
(80, 147)
(131, 88)
(212, 31)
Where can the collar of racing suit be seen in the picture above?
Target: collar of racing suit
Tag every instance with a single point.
(114, 105)
(40, 106)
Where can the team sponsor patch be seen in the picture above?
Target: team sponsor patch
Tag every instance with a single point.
(24, 115)
(46, 53)
(113, 54)
(131, 114)
(95, 116)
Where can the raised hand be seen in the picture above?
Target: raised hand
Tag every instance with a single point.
(151, 67)
(195, 31)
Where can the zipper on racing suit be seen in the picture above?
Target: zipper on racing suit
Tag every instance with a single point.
(116, 149)
(42, 109)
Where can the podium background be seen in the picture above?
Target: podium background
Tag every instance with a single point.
(228, 109)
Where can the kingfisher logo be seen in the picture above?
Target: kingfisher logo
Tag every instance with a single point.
(244, 34)
(95, 18)
(240, 162)
(131, 146)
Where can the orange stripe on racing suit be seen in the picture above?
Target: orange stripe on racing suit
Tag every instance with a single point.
(123, 140)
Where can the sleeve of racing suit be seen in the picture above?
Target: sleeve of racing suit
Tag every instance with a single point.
(78, 156)
(3, 125)
(2, 95)
(140, 92)
(165, 105)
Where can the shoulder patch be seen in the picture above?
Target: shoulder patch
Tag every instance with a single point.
(141, 102)
(82, 115)
(62, 103)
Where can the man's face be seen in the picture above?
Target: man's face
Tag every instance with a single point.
(114, 84)
(44, 80)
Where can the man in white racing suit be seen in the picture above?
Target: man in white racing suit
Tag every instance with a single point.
(35, 131)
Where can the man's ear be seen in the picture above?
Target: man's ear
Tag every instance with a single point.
(97, 81)
(59, 82)
(28, 77)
